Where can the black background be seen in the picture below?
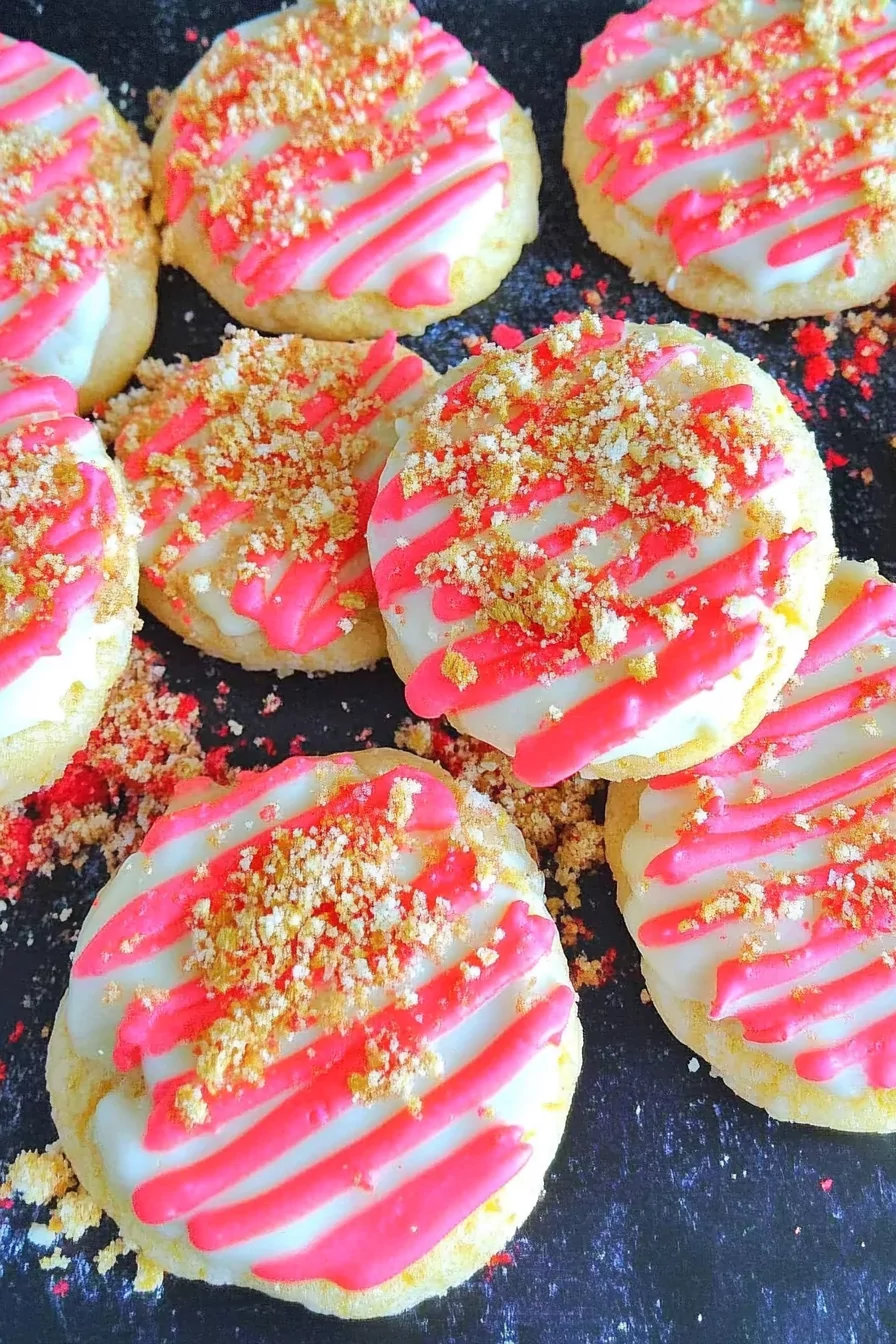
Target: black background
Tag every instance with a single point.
(673, 1211)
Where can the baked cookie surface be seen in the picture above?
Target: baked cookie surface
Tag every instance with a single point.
(760, 889)
(319, 1037)
(602, 552)
(739, 153)
(254, 472)
(78, 254)
(68, 580)
(340, 170)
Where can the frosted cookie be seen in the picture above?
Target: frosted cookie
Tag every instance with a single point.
(320, 1038)
(78, 254)
(740, 153)
(761, 890)
(344, 168)
(68, 580)
(254, 473)
(604, 551)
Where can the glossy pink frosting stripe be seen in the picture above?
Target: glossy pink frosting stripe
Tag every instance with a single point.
(320, 1091)
(356, 1164)
(70, 86)
(27, 328)
(379, 1243)
(734, 835)
(692, 217)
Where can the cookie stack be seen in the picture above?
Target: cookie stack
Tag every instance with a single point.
(320, 1037)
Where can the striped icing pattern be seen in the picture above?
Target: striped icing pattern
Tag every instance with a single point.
(49, 624)
(534, 691)
(742, 138)
(763, 884)
(301, 599)
(395, 226)
(289, 1178)
(51, 329)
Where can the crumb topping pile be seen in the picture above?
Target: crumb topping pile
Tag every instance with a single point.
(344, 77)
(47, 1181)
(314, 927)
(112, 791)
(299, 483)
(623, 446)
(86, 217)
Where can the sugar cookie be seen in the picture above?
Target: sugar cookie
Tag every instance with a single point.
(343, 169)
(78, 254)
(320, 1038)
(68, 580)
(761, 889)
(740, 153)
(254, 472)
(604, 551)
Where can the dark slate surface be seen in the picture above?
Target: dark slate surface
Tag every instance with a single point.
(674, 1211)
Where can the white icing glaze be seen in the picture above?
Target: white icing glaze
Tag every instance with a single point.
(703, 170)
(118, 1123)
(688, 969)
(504, 722)
(459, 238)
(37, 695)
(68, 350)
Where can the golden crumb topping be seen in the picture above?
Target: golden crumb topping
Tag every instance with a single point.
(39, 1178)
(592, 423)
(327, 72)
(859, 892)
(37, 488)
(85, 219)
(316, 927)
(286, 434)
(749, 79)
(58, 530)
(47, 1180)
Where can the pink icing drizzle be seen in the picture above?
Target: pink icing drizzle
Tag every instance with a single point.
(451, 143)
(38, 415)
(509, 659)
(68, 175)
(388, 1232)
(735, 834)
(692, 218)
(297, 604)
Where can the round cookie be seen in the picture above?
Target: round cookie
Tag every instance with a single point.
(254, 473)
(344, 169)
(604, 551)
(68, 580)
(320, 1038)
(78, 254)
(740, 154)
(761, 890)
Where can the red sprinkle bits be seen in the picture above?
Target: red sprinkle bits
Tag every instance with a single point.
(507, 337)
